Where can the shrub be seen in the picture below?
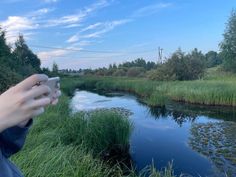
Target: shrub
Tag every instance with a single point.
(135, 71)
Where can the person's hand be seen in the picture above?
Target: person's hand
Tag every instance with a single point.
(18, 104)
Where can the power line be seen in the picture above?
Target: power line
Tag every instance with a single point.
(89, 51)
(83, 50)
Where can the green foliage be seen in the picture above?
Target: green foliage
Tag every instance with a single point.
(62, 145)
(135, 71)
(8, 78)
(212, 91)
(228, 46)
(119, 73)
(97, 131)
(181, 67)
(140, 62)
(213, 59)
(27, 62)
(54, 68)
(16, 65)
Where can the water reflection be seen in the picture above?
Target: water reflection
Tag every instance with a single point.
(177, 116)
(165, 134)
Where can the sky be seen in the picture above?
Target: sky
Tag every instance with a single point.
(95, 33)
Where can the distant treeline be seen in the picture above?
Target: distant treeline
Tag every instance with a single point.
(179, 66)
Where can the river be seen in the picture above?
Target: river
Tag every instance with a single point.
(200, 141)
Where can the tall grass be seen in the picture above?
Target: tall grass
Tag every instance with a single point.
(154, 93)
(64, 145)
(61, 145)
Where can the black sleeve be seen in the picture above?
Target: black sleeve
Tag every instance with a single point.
(13, 139)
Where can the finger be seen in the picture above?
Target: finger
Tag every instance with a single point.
(56, 95)
(37, 92)
(32, 81)
(38, 112)
(39, 103)
(54, 102)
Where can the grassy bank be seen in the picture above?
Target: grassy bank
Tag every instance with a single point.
(214, 89)
(61, 144)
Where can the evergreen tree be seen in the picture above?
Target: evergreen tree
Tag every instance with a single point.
(27, 61)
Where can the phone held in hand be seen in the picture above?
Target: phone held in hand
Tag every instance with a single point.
(53, 84)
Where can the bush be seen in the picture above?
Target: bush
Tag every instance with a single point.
(8, 78)
(119, 72)
(135, 71)
(181, 67)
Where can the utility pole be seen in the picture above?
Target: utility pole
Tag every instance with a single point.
(160, 52)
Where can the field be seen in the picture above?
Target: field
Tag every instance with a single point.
(216, 88)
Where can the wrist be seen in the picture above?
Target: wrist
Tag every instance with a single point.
(23, 124)
(2, 126)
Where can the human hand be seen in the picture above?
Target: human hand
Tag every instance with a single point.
(18, 104)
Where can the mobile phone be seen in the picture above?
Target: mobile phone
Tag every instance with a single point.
(53, 84)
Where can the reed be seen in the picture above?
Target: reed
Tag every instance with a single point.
(60, 144)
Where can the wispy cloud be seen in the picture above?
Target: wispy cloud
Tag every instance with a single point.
(91, 27)
(101, 28)
(46, 55)
(59, 52)
(50, 1)
(14, 25)
(74, 20)
(39, 12)
(11, 1)
(150, 9)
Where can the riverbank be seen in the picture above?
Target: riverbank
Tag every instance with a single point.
(215, 89)
(61, 144)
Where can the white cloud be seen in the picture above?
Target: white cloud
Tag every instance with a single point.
(57, 52)
(102, 28)
(74, 20)
(14, 25)
(73, 38)
(73, 25)
(45, 55)
(39, 12)
(91, 27)
(150, 9)
(50, 1)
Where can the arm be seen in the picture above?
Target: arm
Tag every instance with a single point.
(20, 103)
(13, 139)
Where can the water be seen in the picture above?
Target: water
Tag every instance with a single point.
(173, 134)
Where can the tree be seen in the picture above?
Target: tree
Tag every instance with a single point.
(213, 59)
(181, 67)
(55, 68)
(228, 46)
(27, 62)
(135, 71)
(6, 57)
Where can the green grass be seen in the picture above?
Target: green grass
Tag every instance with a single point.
(63, 145)
(217, 88)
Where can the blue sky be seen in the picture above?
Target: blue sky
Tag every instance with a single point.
(98, 32)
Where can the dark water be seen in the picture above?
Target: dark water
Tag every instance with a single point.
(184, 134)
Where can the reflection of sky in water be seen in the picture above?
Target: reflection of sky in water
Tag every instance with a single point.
(155, 137)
